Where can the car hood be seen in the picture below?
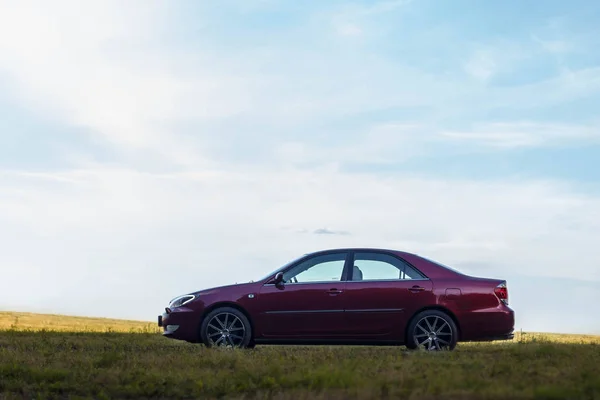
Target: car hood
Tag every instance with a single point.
(227, 288)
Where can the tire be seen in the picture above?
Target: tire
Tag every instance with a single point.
(444, 336)
(226, 327)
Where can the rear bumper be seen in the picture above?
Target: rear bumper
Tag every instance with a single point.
(506, 336)
(496, 323)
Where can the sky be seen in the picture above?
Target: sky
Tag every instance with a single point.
(151, 148)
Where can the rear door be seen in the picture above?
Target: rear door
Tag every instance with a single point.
(382, 293)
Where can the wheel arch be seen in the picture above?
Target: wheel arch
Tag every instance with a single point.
(220, 304)
(436, 308)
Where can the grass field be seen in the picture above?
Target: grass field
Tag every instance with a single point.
(45, 356)
(64, 323)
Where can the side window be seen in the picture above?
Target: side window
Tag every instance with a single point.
(377, 266)
(325, 268)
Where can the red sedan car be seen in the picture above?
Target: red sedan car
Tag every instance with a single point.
(347, 296)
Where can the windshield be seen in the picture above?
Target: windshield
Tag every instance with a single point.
(280, 268)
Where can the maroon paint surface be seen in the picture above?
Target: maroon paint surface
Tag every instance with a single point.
(353, 311)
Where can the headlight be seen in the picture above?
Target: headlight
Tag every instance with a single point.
(181, 300)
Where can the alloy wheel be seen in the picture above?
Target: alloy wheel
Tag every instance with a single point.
(433, 333)
(225, 330)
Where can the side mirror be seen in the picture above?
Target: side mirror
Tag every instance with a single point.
(278, 278)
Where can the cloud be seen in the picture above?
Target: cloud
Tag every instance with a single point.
(101, 73)
(112, 226)
(490, 59)
(347, 28)
(380, 7)
(560, 36)
(353, 18)
(526, 134)
(481, 65)
(325, 231)
(557, 46)
(380, 144)
(191, 107)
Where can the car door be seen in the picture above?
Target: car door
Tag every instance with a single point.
(308, 303)
(382, 293)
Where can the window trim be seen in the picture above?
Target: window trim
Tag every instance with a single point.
(346, 274)
(345, 269)
(402, 260)
(390, 280)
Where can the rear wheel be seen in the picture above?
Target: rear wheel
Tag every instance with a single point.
(432, 330)
(226, 327)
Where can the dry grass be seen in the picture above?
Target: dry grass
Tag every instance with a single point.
(98, 364)
(556, 338)
(23, 321)
(64, 323)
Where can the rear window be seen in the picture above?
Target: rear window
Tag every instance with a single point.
(439, 264)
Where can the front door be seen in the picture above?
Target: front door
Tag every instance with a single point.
(382, 294)
(309, 301)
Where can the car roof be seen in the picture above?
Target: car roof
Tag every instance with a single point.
(375, 249)
(430, 267)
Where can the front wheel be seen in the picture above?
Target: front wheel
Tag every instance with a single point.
(226, 327)
(432, 330)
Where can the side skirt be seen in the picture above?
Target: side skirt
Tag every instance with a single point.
(348, 342)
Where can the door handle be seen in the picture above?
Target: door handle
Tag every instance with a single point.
(416, 288)
(334, 291)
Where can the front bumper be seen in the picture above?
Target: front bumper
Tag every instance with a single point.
(180, 323)
(168, 329)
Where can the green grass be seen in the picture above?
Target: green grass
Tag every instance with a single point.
(38, 363)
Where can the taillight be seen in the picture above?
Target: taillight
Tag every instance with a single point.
(502, 292)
